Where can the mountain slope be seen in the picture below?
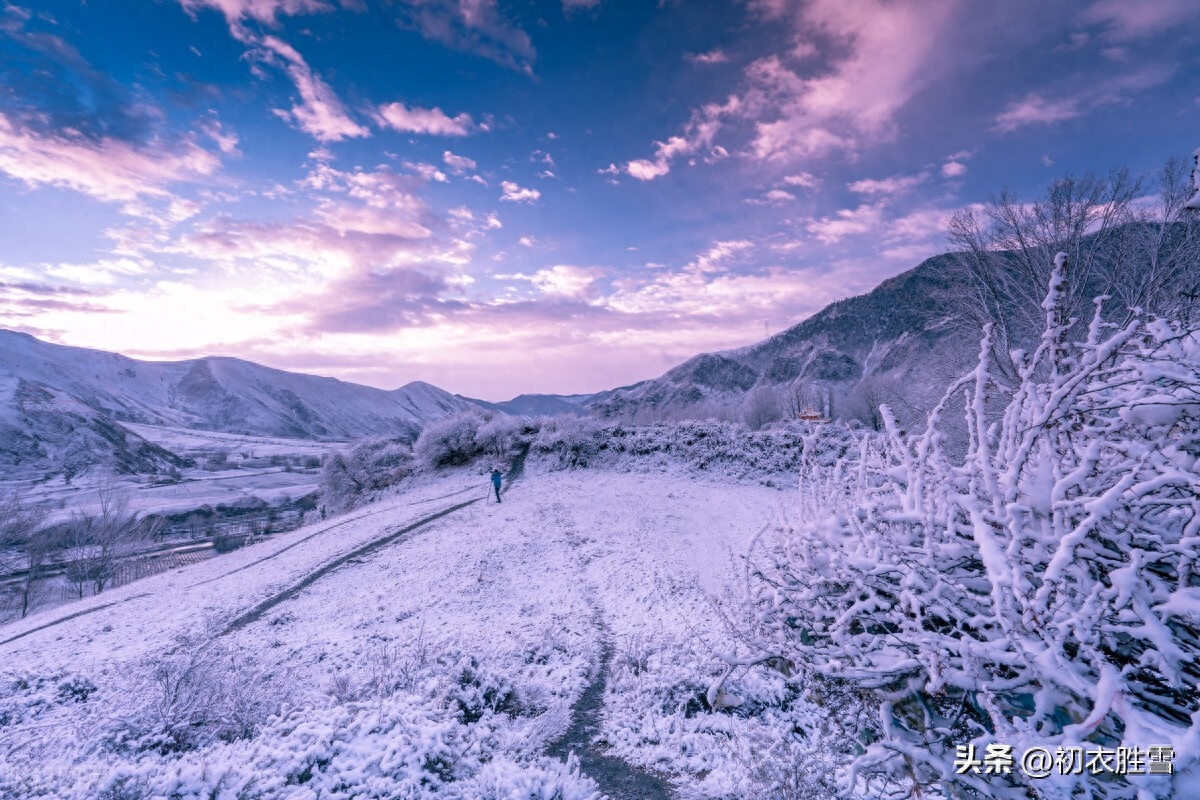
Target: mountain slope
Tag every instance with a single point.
(904, 331)
(222, 394)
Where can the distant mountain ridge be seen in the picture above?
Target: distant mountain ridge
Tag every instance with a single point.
(61, 408)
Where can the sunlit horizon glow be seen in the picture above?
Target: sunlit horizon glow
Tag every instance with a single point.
(559, 197)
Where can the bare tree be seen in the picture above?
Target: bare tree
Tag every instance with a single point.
(1004, 253)
(21, 526)
(762, 407)
(98, 543)
(1144, 258)
(864, 401)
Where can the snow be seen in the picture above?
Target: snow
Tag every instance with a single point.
(484, 625)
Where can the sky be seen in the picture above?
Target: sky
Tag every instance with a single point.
(505, 197)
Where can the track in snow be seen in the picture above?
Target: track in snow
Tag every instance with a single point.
(262, 608)
(617, 779)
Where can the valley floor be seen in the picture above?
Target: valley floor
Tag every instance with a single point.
(414, 656)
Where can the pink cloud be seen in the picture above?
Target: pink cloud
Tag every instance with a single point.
(953, 169)
(236, 12)
(847, 222)
(803, 180)
(319, 113)
(107, 169)
(477, 26)
(1033, 109)
(458, 164)
(431, 121)
(885, 61)
(897, 184)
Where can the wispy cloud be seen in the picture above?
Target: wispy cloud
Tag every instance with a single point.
(319, 113)
(714, 56)
(1124, 20)
(476, 26)
(108, 169)
(431, 121)
(458, 164)
(897, 184)
(1037, 109)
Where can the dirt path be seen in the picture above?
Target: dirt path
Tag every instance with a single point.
(619, 780)
(262, 608)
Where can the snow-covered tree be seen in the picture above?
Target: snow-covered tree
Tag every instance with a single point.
(348, 476)
(1039, 589)
(450, 441)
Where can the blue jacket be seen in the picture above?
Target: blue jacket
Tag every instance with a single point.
(496, 478)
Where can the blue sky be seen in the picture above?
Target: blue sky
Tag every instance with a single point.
(502, 197)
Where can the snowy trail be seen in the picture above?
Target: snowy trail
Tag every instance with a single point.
(256, 613)
(617, 779)
(70, 617)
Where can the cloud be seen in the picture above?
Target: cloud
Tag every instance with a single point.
(576, 5)
(1124, 20)
(645, 170)
(697, 136)
(458, 164)
(953, 169)
(107, 169)
(882, 60)
(319, 113)
(803, 180)
(847, 222)
(773, 197)
(714, 56)
(897, 184)
(567, 281)
(526, 241)
(432, 121)
(1036, 109)
(427, 172)
(476, 26)
(1033, 109)
(513, 193)
(713, 259)
(264, 11)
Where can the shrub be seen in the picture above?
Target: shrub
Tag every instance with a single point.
(450, 441)
(1036, 590)
(373, 464)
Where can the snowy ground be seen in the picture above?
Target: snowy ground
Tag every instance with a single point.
(443, 663)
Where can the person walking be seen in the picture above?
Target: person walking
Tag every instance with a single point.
(497, 478)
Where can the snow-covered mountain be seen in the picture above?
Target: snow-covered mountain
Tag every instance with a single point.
(904, 332)
(64, 405)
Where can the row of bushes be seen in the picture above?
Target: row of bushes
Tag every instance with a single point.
(573, 442)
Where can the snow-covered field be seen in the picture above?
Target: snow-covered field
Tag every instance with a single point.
(443, 663)
(273, 469)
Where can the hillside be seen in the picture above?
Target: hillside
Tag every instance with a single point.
(905, 331)
(63, 409)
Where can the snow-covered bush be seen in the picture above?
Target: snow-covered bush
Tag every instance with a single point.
(572, 441)
(1038, 590)
(501, 436)
(450, 441)
(198, 693)
(348, 476)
